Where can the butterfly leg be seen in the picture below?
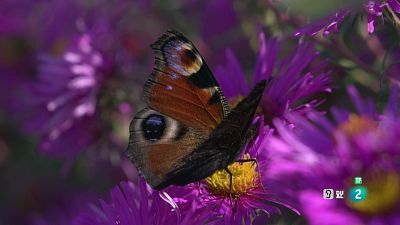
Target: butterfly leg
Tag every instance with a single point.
(254, 161)
(230, 184)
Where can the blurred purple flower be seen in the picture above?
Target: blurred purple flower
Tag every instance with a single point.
(63, 101)
(291, 79)
(138, 204)
(318, 154)
(77, 52)
(373, 9)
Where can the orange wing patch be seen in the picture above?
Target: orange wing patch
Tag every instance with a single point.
(178, 98)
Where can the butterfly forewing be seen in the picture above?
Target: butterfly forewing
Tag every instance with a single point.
(182, 85)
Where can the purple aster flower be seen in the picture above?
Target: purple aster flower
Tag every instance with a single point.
(318, 154)
(78, 54)
(138, 204)
(373, 8)
(292, 78)
(250, 201)
(62, 103)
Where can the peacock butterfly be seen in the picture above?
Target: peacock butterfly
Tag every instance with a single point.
(188, 130)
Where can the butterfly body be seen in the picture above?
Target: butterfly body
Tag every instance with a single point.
(188, 130)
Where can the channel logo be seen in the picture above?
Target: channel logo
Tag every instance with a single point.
(331, 194)
(328, 193)
(356, 193)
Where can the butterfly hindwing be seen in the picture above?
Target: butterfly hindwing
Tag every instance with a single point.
(158, 143)
(181, 84)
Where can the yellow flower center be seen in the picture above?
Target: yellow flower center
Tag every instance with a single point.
(383, 194)
(244, 178)
(357, 124)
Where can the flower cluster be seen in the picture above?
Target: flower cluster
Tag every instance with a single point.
(290, 79)
(325, 154)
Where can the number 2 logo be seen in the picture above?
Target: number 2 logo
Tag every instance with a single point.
(358, 194)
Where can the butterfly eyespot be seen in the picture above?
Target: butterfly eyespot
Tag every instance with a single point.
(190, 60)
(188, 57)
(153, 127)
